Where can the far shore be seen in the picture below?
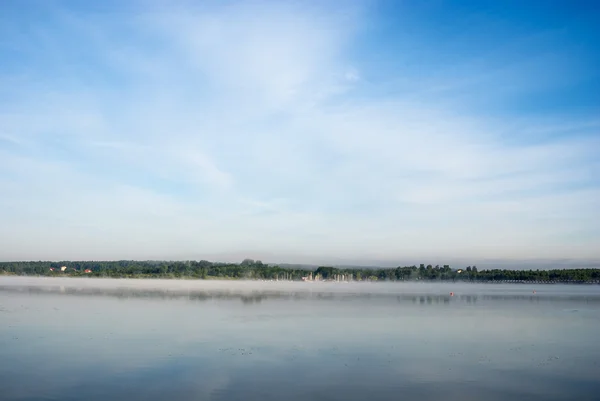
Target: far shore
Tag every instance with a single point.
(228, 282)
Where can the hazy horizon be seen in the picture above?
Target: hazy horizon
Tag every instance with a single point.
(365, 132)
(510, 264)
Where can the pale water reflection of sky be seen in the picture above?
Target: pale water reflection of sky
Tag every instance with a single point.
(70, 344)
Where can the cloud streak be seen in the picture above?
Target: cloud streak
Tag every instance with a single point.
(267, 128)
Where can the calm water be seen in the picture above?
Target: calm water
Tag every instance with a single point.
(87, 339)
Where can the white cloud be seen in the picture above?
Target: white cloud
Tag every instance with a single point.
(352, 75)
(240, 128)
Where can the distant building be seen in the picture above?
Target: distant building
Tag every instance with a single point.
(87, 271)
(52, 269)
(63, 268)
(308, 278)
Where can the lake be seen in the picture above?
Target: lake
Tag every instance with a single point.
(103, 339)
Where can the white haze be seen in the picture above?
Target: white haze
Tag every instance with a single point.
(247, 287)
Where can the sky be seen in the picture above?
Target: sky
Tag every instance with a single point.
(300, 131)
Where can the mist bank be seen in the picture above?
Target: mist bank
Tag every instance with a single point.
(253, 290)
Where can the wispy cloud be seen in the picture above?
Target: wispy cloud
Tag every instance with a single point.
(269, 128)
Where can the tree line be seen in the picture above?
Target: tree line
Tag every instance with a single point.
(256, 270)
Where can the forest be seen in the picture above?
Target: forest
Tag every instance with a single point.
(256, 270)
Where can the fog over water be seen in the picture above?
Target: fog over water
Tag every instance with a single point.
(252, 286)
(98, 339)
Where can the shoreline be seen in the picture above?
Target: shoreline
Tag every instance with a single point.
(245, 280)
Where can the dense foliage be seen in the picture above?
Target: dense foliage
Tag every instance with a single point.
(250, 269)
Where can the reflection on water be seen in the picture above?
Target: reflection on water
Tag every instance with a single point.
(256, 296)
(119, 339)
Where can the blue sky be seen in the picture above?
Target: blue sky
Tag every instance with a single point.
(316, 132)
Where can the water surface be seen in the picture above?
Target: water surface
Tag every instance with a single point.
(94, 339)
